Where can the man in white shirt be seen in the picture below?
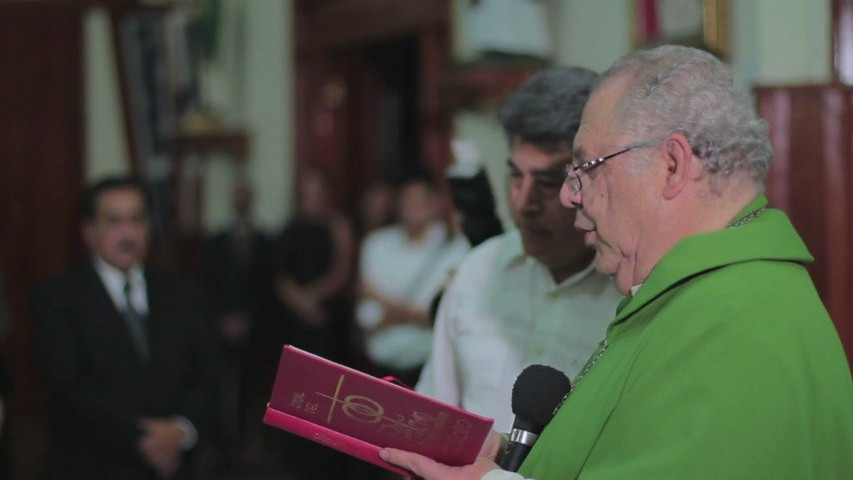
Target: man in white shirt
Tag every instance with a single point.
(125, 352)
(531, 295)
(402, 268)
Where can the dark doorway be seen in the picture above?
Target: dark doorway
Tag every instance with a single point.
(396, 68)
(367, 89)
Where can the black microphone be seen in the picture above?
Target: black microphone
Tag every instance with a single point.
(536, 394)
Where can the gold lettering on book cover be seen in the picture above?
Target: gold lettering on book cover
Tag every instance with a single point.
(459, 434)
(297, 400)
(418, 427)
(311, 408)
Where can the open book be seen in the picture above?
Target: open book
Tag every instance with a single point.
(359, 414)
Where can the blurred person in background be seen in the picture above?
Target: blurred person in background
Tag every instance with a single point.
(313, 267)
(376, 207)
(401, 268)
(236, 277)
(313, 259)
(530, 295)
(125, 352)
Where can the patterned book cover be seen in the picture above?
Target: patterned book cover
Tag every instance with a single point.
(358, 414)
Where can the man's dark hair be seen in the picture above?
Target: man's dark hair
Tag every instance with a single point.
(95, 191)
(546, 110)
(420, 177)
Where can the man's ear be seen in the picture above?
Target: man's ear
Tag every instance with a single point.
(679, 161)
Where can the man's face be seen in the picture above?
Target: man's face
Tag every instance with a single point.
(119, 231)
(613, 202)
(418, 207)
(535, 178)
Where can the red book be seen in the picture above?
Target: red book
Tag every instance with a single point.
(359, 414)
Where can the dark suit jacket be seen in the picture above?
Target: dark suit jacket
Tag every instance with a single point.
(234, 284)
(98, 388)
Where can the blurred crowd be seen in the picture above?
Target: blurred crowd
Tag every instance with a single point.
(354, 290)
(154, 374)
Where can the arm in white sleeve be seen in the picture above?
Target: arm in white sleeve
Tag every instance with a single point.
(439, 378)
(502, 475)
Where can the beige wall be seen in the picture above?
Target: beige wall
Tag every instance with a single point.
(250, 83)
(105, 146)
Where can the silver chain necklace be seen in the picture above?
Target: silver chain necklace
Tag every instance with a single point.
(593, 359)
(747, 218)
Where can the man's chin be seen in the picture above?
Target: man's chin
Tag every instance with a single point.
(602, 266)
(124, 262)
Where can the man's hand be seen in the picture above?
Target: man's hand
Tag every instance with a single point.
(303, 301)
(493, 447)
(160, 444)
(428, 469)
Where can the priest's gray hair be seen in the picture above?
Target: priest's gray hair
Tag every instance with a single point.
(690, 91)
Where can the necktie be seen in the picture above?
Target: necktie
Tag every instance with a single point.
(135, 322)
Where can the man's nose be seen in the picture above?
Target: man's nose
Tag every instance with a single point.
(530, 203)
(569, 198)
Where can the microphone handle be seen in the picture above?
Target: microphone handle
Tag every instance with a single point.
(514, 456)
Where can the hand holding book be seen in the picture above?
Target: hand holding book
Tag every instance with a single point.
(428, 469)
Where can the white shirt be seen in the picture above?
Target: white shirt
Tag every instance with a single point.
(409, 272)
(502, 312)
(501, 475)
(114, 280)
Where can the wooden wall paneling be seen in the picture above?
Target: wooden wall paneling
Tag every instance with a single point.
(435, 121)
(41, 149)
(807, 202)
(812, 180)
(775, 107)
(836, 128)
(338, 92)
(345, 23)
(842, 41)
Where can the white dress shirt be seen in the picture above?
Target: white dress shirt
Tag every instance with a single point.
(114, 280)
(502, 475)
(502, 312)
(409, 272)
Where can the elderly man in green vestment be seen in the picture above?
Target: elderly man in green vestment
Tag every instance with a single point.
(722, 362)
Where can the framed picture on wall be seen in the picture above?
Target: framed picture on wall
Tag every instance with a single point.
(696, 23)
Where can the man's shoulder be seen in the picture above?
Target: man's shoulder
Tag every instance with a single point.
(505, 246)
(71, 288)
(383, 242)
(492, 255)
(383, 235)
(78, 276)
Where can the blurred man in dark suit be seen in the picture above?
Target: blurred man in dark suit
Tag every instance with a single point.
(125, 352)
(237, 278)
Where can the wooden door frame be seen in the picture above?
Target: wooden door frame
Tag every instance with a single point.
(326, 28)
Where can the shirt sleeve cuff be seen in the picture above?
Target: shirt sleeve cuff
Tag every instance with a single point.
(190, 433)
(502, 475)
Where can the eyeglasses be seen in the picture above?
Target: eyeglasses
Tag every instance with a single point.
(573, 173)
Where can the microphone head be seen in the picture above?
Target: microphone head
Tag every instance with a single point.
(537, 392)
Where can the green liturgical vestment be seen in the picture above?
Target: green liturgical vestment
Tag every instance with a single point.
(723, 365)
